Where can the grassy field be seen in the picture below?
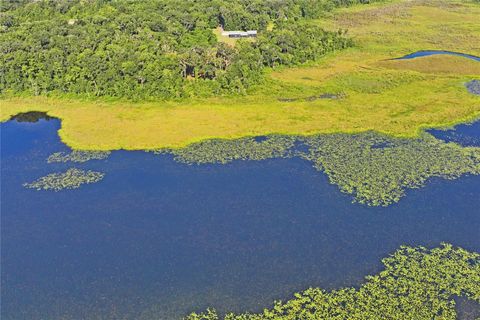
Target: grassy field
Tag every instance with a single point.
(398, 97)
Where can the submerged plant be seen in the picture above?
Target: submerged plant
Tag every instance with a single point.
(78, 156)
(417, 283)
(71, 179)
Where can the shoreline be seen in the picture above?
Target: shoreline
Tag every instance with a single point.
(96, 142)
(401, 98)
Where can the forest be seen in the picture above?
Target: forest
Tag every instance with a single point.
(155, 49)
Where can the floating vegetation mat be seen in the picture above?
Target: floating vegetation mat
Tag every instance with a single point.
(78, 156)
(224, 151)
(376, 169)
(71, 179)
(417, 283)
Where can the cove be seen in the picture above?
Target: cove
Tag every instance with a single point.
(157, 239)
(467, 135)
(425, 53)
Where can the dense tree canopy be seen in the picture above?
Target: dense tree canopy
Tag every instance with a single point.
(154, 48)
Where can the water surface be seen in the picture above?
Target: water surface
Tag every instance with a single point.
(424, 53)
(157, 239)
(467, 135)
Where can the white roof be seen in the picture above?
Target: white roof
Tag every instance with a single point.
(244, 33)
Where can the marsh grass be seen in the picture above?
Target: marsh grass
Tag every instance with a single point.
(442, 65)
(416, 283)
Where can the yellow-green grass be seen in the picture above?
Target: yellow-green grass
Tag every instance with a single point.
(397, 97)
(220, 38)
(440, 64)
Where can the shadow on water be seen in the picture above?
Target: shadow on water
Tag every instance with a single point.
(157, 239)
(31, 116)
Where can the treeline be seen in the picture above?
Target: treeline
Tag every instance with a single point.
(154, 48)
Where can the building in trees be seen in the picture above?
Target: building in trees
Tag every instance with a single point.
(240, 34)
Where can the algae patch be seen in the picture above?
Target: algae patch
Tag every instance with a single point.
(71, 179)
(417, 283)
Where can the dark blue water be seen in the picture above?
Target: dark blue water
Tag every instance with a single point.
(157, 239)
(467, 135)
(425, 53)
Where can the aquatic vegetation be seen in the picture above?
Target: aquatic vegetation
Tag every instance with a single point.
(417, 283)
(376, 169)
(473, 87)
(224, 151)
(397, 97)
(71, 179)
(78, 156)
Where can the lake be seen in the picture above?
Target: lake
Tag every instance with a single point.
(159, 239)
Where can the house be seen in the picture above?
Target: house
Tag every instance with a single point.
(240, 34)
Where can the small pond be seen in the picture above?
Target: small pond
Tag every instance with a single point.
(156, 239)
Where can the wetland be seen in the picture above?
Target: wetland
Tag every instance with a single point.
(328, 168)
(167, 233)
